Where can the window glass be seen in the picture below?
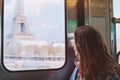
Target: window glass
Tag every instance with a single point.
(116, 8)
(117, 15)
(118, 37)
(34, 34)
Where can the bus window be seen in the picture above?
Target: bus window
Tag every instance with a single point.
(34, 34)
(118, 37)
(118, 40)
(117, 15)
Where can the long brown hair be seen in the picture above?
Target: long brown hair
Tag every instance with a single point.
(95, 60)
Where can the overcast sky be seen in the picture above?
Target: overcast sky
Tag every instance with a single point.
(45, 18)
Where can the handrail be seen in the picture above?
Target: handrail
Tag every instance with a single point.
(118, 56)
(116, 20)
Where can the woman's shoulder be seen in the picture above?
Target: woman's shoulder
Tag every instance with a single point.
(112, 77)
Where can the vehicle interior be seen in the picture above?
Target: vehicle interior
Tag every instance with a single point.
(37, 36)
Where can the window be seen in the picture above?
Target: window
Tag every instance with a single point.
(117, 15)
(118, 37)
(42, 46)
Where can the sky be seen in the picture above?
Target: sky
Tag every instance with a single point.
(45, 18)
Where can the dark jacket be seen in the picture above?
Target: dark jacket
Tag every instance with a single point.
(76, 76)
(112, 77)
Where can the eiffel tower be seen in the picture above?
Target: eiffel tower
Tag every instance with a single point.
(21, 30)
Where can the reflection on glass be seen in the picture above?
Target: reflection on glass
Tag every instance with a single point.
(34, 34)
(71, 19)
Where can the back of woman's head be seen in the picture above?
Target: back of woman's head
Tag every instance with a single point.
(87, 39)
(94, 57)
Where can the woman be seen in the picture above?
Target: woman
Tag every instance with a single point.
(95, 62)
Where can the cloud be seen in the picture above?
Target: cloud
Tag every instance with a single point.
(30, 5)
(37, 5)
(8, 9)
(49, 26)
